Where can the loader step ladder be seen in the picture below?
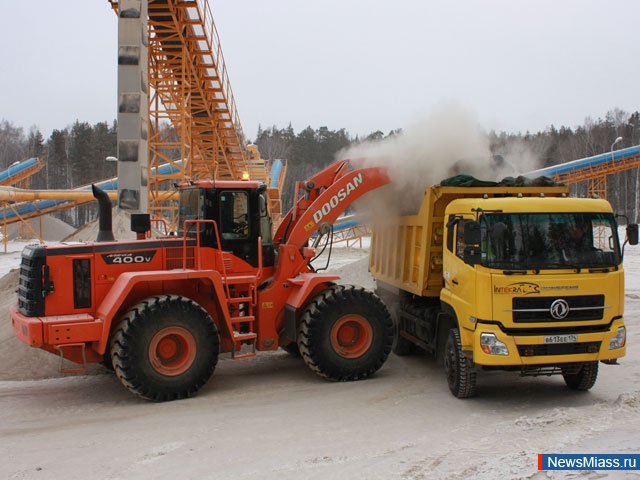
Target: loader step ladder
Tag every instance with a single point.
(241, 301)
(61, 350)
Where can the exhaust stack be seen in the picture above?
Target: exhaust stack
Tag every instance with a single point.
(105, 233)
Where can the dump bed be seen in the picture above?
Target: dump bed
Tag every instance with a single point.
(406, 251)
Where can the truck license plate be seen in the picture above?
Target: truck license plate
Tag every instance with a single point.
(560, 338)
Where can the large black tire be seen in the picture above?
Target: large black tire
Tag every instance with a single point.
(460, 371)
(165, 348)
(345, 333)
(584, 379)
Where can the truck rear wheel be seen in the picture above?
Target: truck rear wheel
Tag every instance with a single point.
(461, 374)
(345, 333)
(165, 348)
(584, 378)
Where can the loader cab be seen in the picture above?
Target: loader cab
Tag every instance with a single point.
(239, 210)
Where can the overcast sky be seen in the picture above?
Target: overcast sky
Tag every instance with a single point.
(362, 65)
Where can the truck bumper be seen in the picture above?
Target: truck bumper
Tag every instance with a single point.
(528, 350)
(55, 331)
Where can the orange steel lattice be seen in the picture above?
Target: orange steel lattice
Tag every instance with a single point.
(193, 119)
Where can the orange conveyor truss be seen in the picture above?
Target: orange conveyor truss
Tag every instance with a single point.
(192, 110)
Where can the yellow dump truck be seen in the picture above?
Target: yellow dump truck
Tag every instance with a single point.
(520, 278)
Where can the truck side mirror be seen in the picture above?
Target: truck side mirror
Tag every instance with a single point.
(632, 233)
(472, 233)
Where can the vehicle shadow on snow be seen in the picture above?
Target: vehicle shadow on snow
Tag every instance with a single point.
(259, 372)
(504, 388)
(418, 374)
(511, 390)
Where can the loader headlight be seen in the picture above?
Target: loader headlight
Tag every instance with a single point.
(491, 345)
(619, 340)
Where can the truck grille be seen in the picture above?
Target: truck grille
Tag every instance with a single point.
(30, 287)
(559, 349)
(539, 309)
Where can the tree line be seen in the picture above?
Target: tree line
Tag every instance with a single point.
(75, 156)
(312, 149)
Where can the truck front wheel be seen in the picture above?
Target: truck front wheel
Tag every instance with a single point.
(345, 333)
(461, 374)
(583, 379)
(165, 348)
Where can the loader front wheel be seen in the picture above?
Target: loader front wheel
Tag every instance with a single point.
(165, 348)
(345, 333)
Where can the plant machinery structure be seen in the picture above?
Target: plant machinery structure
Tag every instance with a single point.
(175, 97)
(498, 277)
(159, 311)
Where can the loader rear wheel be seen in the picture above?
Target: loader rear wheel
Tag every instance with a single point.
(584, 378)
(460, 371)
(165, 348)
(345, 333)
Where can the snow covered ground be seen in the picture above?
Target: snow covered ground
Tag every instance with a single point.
(270, 417)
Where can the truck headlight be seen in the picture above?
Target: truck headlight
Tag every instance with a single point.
(619, 340)
(491, 345)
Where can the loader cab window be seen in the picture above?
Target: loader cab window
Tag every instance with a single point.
(234, 215)
(191, 204)
(191, 208)
(265, 220)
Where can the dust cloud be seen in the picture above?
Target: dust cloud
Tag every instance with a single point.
(447, 142)
(450, 141)
(517, 159)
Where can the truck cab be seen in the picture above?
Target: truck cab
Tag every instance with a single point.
(535, 283)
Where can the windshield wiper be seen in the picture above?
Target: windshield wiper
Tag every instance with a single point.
(600, 269)
(518, 272)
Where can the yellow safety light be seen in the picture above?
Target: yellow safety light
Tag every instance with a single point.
(245, 175)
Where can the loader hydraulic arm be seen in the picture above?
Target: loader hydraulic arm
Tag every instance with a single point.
(324, 196)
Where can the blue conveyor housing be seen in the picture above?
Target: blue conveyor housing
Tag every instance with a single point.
(29, 209)
(276, 169)
(589, 162)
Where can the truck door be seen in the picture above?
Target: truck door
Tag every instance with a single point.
(459, 290)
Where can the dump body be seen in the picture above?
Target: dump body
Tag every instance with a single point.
(519, 293)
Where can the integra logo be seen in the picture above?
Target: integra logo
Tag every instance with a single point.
(128, 257)
(338, 198)
(520, 288)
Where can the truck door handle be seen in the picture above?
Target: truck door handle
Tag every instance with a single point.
(454, 281)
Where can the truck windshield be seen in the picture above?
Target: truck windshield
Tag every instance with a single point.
(549, 240)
